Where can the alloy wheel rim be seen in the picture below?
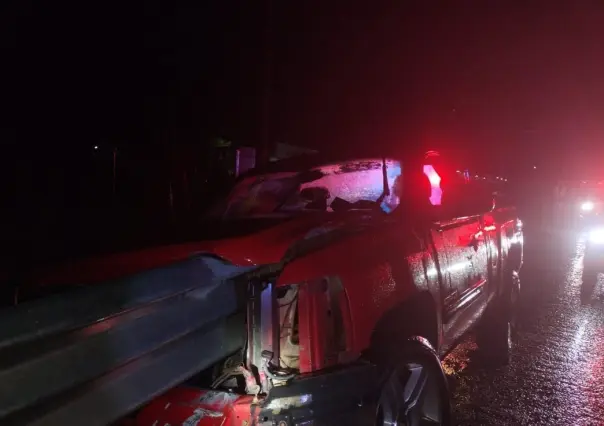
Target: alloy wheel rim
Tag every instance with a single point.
(411, 396)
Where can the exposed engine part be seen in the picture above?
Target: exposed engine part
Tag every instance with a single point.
(273, 352)
(275, 373)
(289, 338)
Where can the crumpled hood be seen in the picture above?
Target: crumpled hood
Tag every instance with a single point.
(266, 246)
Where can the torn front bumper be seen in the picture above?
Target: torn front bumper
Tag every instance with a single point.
(338, 397)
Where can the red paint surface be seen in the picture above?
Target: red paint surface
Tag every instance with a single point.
(180, 404)
(371, 266)
(311, 330)
(267, 246)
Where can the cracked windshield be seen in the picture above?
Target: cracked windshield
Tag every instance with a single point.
(328, 188)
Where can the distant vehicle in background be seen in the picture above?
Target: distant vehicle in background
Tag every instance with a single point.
(590, 212)
(593, 260)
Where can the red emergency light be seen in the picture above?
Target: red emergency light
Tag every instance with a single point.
(436, 192)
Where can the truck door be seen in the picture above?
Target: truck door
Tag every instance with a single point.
(463, 251)
(466, 271)
(467, 262)
(462, 238)
(460, 243)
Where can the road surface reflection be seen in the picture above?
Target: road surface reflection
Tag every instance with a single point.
(556, 372)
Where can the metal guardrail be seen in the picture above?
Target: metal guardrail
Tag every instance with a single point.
(95, 354)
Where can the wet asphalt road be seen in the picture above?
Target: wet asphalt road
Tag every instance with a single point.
(556, 373)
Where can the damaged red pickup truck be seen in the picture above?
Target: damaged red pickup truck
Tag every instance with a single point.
(354, 278)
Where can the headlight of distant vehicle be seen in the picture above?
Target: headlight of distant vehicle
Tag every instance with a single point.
(587, 206)
(596, 236)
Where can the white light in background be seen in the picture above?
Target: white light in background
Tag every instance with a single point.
(587, 206)
(596, 236)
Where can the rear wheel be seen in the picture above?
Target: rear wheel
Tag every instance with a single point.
(500, 323)
(414, 391)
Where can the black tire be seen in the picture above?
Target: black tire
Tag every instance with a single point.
(590, 279)
(414, 390)
(498, 328)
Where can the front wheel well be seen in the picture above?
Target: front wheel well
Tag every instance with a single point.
(416, 317)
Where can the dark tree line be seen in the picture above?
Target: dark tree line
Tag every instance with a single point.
(66, 203)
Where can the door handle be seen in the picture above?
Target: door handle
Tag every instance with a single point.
(474, 242)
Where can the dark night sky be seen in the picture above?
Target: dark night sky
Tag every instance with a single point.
(495, 78)
(512, 83)
(503, 79)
